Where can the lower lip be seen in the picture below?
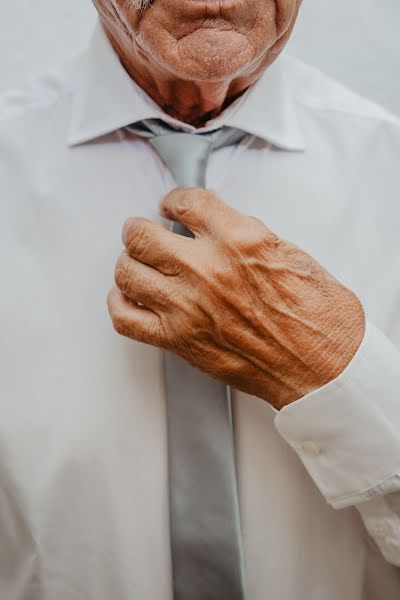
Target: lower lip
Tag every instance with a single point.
(211, 4)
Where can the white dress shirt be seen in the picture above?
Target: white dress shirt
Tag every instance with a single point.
(83, 479)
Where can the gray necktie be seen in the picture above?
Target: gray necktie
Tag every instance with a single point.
(206, 544)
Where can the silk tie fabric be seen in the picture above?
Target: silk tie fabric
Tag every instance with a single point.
(206, 546)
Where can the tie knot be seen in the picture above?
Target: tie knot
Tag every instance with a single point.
(185, 154)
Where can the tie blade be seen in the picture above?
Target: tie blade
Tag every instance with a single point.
(204, 509)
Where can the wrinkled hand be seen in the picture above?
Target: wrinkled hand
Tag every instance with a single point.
(237, 302)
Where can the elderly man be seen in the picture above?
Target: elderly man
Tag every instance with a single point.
(241, 438)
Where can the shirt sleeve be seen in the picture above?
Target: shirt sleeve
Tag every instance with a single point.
(347, 434)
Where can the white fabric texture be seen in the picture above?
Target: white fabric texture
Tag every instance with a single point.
(84, 487)
(355, 41)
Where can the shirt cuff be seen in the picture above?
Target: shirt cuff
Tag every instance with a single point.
(347, 433)
(381, 517)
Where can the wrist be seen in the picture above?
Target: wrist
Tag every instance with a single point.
(329, 359)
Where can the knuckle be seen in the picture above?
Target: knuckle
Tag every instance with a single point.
(123, 274)
(137, 237)
(181, 259)
(156, 333)
(249, 236)
(189, 200)
(133, 332)
(126, 327)
(120, 324)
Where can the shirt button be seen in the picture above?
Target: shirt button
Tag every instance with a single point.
(382, 529)
(311, 448)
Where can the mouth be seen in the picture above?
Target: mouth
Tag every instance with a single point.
(211, 8)
(211, 16)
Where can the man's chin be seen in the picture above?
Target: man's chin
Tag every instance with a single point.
(209, 55)
(196, 46)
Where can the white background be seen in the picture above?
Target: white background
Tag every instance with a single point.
(356, 41)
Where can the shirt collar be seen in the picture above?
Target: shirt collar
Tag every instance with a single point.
(106, 99)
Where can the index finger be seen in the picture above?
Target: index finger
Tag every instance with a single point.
(151, 244)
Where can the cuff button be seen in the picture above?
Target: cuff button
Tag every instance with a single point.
(311, 448)
(382, 529)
